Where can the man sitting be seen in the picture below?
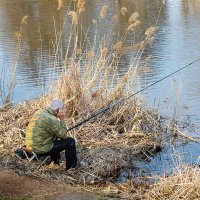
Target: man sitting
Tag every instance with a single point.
(46, 134)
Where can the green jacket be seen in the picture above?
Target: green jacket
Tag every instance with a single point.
(42, 130)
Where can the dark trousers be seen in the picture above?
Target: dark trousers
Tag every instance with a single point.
(67, 145)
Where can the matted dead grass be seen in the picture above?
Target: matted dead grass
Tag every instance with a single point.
(182, 184)
(103, 148)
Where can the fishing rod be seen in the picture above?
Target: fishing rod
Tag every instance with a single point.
(124, 99)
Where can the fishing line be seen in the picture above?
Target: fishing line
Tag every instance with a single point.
(124, 99)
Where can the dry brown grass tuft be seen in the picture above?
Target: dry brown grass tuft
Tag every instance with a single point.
(183, 184)
(106, 145)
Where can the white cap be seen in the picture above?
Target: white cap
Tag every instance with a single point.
(56, 104)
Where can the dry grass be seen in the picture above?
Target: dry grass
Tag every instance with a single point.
(182, 184)
(89, 82)
(105, 145)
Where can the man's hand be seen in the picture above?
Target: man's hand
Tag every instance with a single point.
(61, 115)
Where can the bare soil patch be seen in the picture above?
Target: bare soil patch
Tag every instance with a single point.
(14, 186)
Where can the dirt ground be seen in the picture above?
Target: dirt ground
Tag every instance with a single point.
(13, 186)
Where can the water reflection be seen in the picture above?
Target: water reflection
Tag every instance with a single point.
(177, 41)
(163, 163)
(45, 22)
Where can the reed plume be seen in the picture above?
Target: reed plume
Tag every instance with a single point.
(79, 51)
(133, 17)
(18, 35)
(80, 5)
(16, 53)
(150, 31)
(24, 19)
(74, 17)
(103, 11)
(132, 26)
(114, 18)
(60, 4)
(94, 21)
(90, 55)
(117, 46)
(123, 11)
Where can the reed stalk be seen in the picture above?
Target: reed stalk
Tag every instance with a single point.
(15, 57)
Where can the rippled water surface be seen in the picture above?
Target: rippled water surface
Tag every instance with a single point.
(177, 43)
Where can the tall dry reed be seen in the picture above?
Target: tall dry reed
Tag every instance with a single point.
(15, 57)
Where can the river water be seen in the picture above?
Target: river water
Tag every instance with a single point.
(177, 43)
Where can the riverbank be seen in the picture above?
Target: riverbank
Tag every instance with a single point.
(182, 184)
(103, 153)
(106, 146)
(104, 149)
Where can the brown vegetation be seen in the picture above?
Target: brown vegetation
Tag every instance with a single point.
(106, 145)
(182, 184)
